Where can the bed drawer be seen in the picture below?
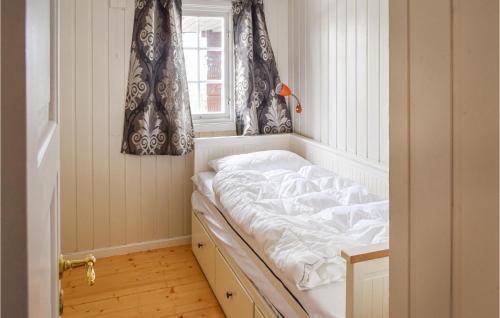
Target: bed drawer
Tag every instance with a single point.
(232, 297)
(204, 249)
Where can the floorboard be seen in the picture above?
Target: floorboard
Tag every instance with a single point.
(163, 283)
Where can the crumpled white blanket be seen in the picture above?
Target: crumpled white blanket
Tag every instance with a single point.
(302, 220)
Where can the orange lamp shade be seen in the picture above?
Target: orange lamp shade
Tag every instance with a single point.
(283, 90)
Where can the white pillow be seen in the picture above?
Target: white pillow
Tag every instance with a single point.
(203, 182)
(261, 161)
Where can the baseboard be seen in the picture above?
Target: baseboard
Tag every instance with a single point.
(131, 248)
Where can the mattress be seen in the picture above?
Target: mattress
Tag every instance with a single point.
(323, 301)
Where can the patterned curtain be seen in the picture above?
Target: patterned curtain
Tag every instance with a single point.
(157, 110)
(259, 110)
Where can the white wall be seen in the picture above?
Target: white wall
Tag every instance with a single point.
(339, 53)
(109, 199)
(444, 158)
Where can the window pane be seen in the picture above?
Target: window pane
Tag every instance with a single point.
(211, 65)
(203, 65)
(203, 41)
(193, 98)
(190, 31)
(211, 32)
(214, 61)
(191, 61)
(214, 98)
(203, 98)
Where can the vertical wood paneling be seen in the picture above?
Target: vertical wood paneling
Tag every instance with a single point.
(100, 123)
(399, 176)
(351, 77)
(314, 118)
(346, 97)
(306, 62)
(326, 47)
(341, 74)
(292, 56)
(444, 158)
(283, 34)
(367, 298)
(385, 300)
(384, 80)
(117, 184)
(373, 80)
(378, 297)
(111, 199)
(475, 223)
(149, 212)
(164, 195)
(430, 157)
(68, 147)
(332, 72)
(188, 189)
(351, 97)
(300, 17)
(177, 220)
(277, 21)
(83, 108)
(272, 27)
(133, 198)
(325, 62)
(132, 163)
(361, 78)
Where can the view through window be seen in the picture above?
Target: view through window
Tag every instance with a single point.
(203, 43)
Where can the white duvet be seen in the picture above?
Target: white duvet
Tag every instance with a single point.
(302, 220)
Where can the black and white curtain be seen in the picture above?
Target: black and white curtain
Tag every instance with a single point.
(157, 110)
(259, 110)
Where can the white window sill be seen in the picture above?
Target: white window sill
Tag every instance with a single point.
(211, 126)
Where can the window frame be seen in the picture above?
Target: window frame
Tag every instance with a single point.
(223, 121)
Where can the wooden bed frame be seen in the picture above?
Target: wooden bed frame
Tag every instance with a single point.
(367, 282)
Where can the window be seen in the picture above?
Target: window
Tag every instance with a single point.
(206, 45)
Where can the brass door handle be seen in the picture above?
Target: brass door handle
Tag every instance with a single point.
(89, 262)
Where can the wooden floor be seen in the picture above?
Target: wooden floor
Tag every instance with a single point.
(160, 283)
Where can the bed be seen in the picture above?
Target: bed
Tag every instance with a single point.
(245, 277)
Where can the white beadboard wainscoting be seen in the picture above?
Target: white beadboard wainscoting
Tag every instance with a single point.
(110, 200)
(339, 54)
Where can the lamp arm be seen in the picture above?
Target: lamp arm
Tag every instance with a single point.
(296, 99)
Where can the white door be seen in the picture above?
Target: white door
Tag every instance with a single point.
(42, 158)
(30, 161)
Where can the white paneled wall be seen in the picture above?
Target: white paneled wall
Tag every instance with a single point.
(277, 25)
(339, 67)
(109, 199)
